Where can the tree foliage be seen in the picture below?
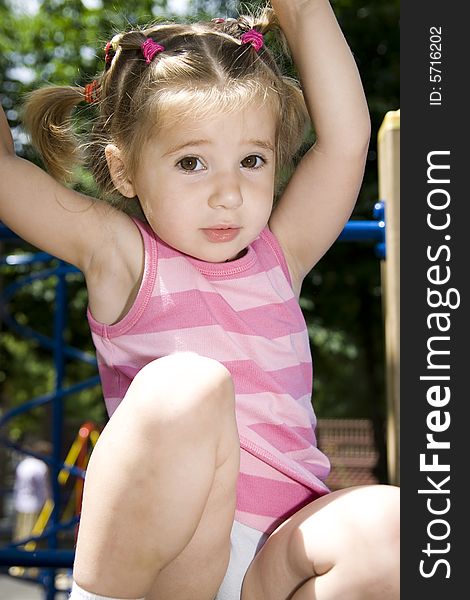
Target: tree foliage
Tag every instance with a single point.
(62, 43)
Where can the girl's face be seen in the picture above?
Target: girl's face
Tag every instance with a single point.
(206, 186)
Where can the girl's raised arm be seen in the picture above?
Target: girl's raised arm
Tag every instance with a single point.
(323, 190)
(47, 214)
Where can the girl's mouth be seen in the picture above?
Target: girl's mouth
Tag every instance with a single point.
(221, 234)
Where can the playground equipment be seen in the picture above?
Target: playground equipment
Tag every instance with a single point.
(53, 557)
(26, 550)
(386, 242)
(389, 188)
(78, 455)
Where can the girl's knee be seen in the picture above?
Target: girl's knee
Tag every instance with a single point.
(353, 518)
(372, 528)
(182, 386)
(350, 529)
(368, 512)
(379, 539)
(381, 511)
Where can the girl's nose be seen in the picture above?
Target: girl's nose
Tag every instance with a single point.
(226, 193)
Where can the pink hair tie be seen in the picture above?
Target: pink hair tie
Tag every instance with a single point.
(253, 37)
(150, 48)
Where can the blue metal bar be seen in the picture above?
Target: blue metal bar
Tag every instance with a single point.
(54, 557)
(39, 401)
(368, 231)
(28, 332)
(57, 417)
(48, 532)
(44, 340)
(62, 268)
(25, 259)
(37, 558)
(75, 471)
(363, 231)
(7, 234)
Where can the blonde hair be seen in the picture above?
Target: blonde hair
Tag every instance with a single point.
(204, 68)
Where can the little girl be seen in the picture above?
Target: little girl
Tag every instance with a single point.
(207, 475)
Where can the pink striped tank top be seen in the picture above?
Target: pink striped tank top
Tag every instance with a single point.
(245, 315)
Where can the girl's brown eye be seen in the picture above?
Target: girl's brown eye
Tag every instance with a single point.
(189, 163)
(252, 162)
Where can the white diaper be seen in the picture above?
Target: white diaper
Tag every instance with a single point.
(245, 544)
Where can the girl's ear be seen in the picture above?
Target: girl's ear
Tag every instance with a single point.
(118, 172)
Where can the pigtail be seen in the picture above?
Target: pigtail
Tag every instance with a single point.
(110, 50)
(262, 22)
(47, 117)
(119, 118)
(266, 21)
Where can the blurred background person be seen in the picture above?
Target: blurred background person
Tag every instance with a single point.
(31, 490)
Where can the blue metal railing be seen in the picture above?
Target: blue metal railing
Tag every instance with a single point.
(368, 231)
(53, 558)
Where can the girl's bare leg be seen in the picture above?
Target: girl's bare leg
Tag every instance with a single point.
(343, 546)
(161, 478)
